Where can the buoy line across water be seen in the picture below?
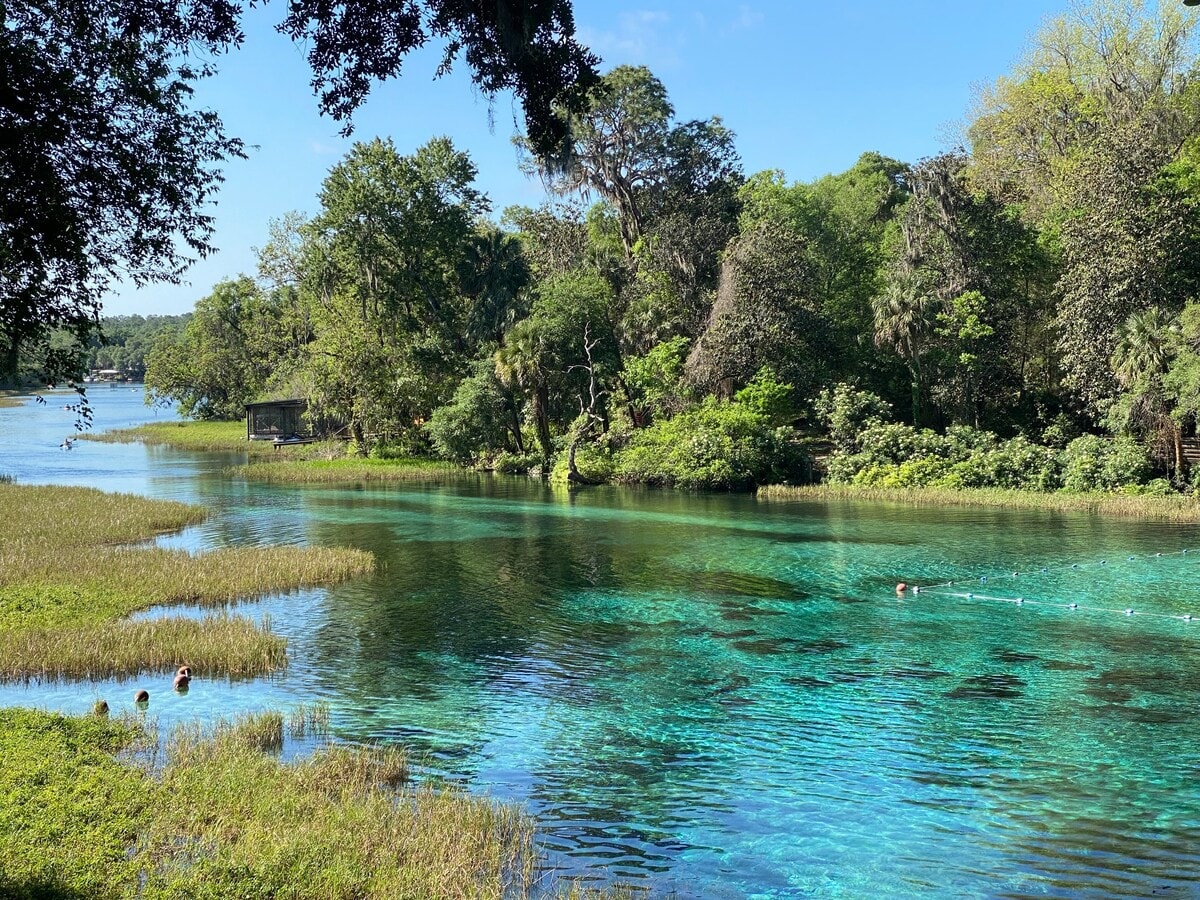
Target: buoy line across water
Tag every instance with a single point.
(940, 589)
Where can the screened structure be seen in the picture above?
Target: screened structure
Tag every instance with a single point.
(278, 420)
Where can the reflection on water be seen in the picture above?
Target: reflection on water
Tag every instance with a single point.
(721, 697)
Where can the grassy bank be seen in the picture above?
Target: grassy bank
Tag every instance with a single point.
(224, 817)
(1172, 509)
(68, 579)
(346, 470)
(195, 436)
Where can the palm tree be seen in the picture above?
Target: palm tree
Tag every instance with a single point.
(493, 275)
(904, 316)
(1141, 358)
(1143, 347)
(520, 364)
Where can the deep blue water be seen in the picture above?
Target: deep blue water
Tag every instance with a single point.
(723, 697)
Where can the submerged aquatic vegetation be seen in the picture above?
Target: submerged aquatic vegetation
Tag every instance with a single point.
(1174, 508)
(225, 817)
(68, 577)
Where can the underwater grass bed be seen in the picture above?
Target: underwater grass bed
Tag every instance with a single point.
(88, 812)
(1172, 509)
(68, 577)
(346, 470)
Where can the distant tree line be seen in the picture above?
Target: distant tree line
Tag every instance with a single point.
(667, 319)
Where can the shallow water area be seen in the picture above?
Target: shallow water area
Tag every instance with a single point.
(722, 697)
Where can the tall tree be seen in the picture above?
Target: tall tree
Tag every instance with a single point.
(625, 148)
(108, 167)
(494, 273)
(904, 314)
(764, 314)
(382, 275)
(222, 358)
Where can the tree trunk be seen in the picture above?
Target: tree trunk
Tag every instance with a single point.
(541, 404)
(1180, 459)
(515, 426)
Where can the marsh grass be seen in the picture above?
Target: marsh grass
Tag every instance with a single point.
(189, 435)
(1171, 509)
(230, 646)
(308, 720)
(346, 470)
(68, 577)
(223, 818)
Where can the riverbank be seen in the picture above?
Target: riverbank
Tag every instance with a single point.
(193, 436)
(321, 462)
(90, 811)
(1176, 508)
(70, 576)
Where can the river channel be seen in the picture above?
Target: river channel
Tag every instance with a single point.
(717, 696)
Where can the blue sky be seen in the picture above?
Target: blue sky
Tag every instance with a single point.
(806, 87)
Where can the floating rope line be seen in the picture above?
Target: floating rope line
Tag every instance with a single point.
(940, 589)
(1075, 607)
(1048, 570)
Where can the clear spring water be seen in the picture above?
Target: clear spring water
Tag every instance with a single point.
(721, 697)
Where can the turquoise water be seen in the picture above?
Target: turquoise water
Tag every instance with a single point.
(721, 697)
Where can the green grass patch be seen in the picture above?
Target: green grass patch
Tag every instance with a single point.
(347, 470)
(225, 818)
(189, 435)
(1175, 508)
(69, 577)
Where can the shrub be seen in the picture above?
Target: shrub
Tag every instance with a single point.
(516, 463)
(715, 446)
(897, 443)
(473, 421)
(1092, 463)
(847, 411)
(903, 456)
(768, 396)
(1158, 487)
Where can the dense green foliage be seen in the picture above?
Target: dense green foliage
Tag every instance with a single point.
(109, 165)
(1026, 305)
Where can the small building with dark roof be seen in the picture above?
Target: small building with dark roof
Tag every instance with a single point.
(283, 421)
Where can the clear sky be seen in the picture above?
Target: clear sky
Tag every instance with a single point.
(805, 86)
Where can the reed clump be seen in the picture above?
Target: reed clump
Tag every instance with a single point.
(1178, 508)
(310, 471)
(230, 646)
(69, 577)
(221, 817)
(309, 720)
